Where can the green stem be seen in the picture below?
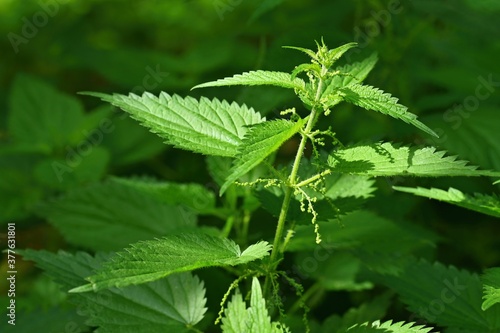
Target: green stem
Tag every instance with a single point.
(231, 201)
(290, 188)
(312, 179)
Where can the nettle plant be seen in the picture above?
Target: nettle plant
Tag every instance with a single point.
(324, 239)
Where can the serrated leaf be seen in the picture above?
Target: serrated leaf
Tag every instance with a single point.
(64, 268)
(261, 140)
(371, 98)
(310, 53)
(152, 260)
(348, 186)
(237, 318)
(210, 127)
(375, 309)
(64, 174)
(304, 68)
(339, 270)
(130, 142)
(42, 117)
(173, 304)
(491, 287)
(343, 193)
(486, 204)
(388, 327)
(474, 136)
(194, 196)
(365, 235)
(387, 159)
(348, 74)
(271, 199)
(219, 168)
(258, 316)
(336, 53)
(260, 77)
(445, 296)
(92, 216)
(357, 72)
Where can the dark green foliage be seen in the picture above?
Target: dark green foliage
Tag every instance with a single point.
(275, 206)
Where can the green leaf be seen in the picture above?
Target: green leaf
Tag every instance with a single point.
(375, 99)
(260, 141)
(173, 304)
(19, 191)
(348, 186)
(93, 216)
(259, 319)
(219, 168)
(64, 174)
(342, 194)
(310, 53)
(194, 196)
(360, 229)
(235, 315)
(486, 204)
(152, 260)
(258, 316)
(206, 126)
(259, 77)
(53, 319)
(388, 327)
(491, 287)
(339, 270)
(365, 235)
(472, 136)
(445, 296)
(348, 74)
(315, 68)
(43, 117)
(254, 319)
(357, 72)
(387, 159)
(336, 53)
(375, 309)
(64, 268)
(131, 143)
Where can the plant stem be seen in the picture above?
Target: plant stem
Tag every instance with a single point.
(312, 179)
(231, 205)
(290, 188)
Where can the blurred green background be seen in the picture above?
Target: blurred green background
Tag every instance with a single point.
(441, 58)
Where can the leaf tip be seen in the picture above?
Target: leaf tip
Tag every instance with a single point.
(91, 93)
(82, 289)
